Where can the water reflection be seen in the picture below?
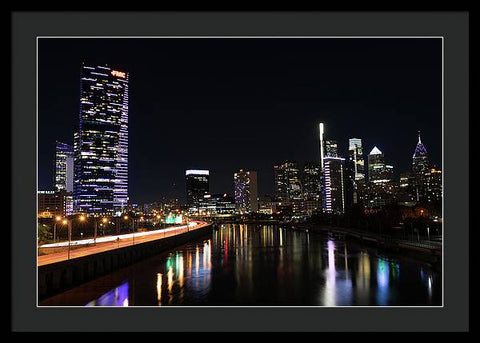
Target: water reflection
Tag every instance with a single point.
(256, 265)
(382, 282)
(329, 290)
(159, 289)
(116, 297)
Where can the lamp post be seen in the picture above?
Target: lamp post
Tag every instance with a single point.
(133, 227)
(69, 222)
(57, 219)
(104, 221)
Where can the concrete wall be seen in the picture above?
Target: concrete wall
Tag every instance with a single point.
(58, 277)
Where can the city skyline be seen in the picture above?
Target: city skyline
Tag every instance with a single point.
(245, 148)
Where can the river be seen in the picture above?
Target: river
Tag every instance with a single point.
(264, 265)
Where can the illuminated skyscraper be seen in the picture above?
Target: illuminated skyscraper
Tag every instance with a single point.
(354, 172)
(381, 188)
(322, 156)
(420, 163)
(198, 185)
(334, 194)
(331, 148)
(101, 142)
(287, 182)
(246, 191)
(63, 167)
(355, 152)
(432, 186)
(311, 181)
(378, 170)
(322, 145)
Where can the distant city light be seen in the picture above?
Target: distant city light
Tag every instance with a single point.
(197, 172)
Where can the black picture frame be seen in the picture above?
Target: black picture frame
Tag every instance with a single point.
(452, 26)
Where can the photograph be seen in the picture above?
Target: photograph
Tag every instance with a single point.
(240, 171)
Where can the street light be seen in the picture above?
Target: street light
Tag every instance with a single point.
(69, 222)
(104, 221)
(57, 219)
(133, 227)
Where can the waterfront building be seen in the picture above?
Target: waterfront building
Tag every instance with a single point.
(224, 203)
(63, 171)
(101, 142)
(266, 204)
(217, 204)
(246, 191)
(197, 185)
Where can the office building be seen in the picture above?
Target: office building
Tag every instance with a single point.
(420, 163)
(322, 144)
(331, 148)
(63, 175)
(311, 181)
(52, 203)
(378, 170)
(408, 192)
(288, 185)
(217, 204)
(101, 142)
(432, 186)
(197, 185)
(354, 172)
(246, 191)
(334, 194)
(355, 154)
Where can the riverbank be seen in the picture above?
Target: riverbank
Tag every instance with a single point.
(427, 252)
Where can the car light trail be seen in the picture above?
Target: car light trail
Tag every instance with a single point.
(114, 238)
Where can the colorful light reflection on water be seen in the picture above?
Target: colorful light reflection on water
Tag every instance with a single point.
(245, 265)
(116, 297)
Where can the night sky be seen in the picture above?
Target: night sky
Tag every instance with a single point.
(227, 104)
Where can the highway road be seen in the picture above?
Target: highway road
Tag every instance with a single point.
(86, 247)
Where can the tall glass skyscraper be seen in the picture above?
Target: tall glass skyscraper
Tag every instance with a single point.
(334, 193)
(101, 142)
(420, 163)
(378, 170)
(63, 179)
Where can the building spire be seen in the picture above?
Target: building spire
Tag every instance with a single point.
(420, 149)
